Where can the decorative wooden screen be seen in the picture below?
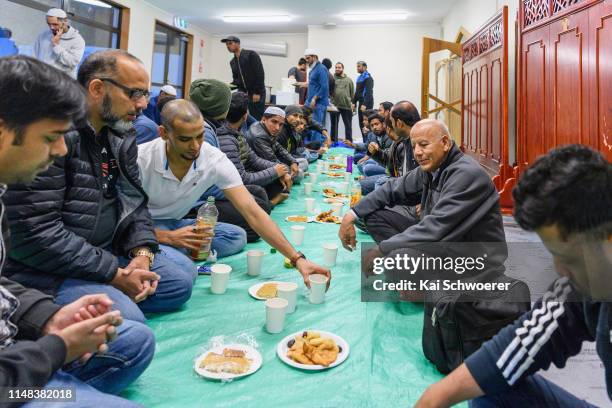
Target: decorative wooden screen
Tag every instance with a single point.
(485, 97)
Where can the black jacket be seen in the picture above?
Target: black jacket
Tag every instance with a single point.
(398, 158)
(252, 80)
(53, 218)
(460, 204)
(33, 358)
(289, 139)
(252, 168)
(266, 146)
(364, 93)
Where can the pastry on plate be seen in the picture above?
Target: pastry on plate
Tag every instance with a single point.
(231, 361)
(267, 291)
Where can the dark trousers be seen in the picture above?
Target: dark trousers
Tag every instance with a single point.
(229, 214)
(273, 189)
(347, 119)
(385, 223)
(256, 109)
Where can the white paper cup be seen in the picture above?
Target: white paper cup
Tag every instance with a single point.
(318, 285)
(254, 260)
(275, 314)
(288, 291)
(330, 251)
(308, 188)
(326, 166)
(313, 177)
(337, 208)
(310, 205)
(347, 176)
(219, 277)
(344, 187)
(297, 234)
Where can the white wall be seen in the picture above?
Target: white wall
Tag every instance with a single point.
(393, 54)
(274, 67)
(472, 14)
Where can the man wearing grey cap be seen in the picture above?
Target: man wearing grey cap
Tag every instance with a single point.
(61, 46)
(248, 75)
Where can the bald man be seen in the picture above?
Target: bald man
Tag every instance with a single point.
(178, 168)
(458, 200)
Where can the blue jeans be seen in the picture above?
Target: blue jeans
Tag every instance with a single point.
(319, 112)
(174, 289)
(368, 184)
(373, 168)
(534, 391)
(95, 381)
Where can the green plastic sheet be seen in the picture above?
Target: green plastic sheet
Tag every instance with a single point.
(386, 366)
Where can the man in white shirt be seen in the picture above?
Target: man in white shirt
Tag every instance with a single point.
(61, 45)
(177, 168)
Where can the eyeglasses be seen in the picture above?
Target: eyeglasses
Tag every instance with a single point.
(133, 93)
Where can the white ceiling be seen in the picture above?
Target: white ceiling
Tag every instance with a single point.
(207, 14)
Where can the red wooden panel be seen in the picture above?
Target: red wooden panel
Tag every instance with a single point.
(483, 117)
(497, 121)
(475, 128)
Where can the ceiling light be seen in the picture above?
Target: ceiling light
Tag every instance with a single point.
(375, 16)
(95, 3)
(282, 18)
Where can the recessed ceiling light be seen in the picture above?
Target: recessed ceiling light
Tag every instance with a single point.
(375, 16)
(279, 18)
(95, 3)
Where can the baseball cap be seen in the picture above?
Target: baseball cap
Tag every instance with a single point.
(230, 38)
(56, 12)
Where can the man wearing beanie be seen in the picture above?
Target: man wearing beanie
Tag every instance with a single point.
(262, 138)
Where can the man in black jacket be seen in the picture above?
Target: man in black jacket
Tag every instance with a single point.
(248, 75)
(364, 90)
(41, 342)
(83, 226)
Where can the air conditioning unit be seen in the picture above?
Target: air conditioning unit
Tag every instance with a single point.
(277, 49)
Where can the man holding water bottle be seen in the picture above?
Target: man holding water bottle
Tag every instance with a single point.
(177, 168)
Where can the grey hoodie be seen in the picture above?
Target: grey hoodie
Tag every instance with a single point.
(64, 56)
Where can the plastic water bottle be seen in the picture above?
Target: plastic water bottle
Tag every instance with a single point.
(207, 218)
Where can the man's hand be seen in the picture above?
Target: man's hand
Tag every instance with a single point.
(353, 107)
(189, 237)
(368, 262)
(312, 103)
(418, 210)
(281, 169)
(347, 233)
(363, 159)
(373, 147)
(256, 98)
(294, 169)
(459, 385)
(136, 283)
(85, 308)
(90, 336)
(287, 182)
(55, 38)
(307, 268)
(348, 143)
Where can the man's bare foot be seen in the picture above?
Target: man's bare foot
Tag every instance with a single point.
(279, 198)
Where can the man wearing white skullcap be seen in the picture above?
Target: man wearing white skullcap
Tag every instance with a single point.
(61, 46)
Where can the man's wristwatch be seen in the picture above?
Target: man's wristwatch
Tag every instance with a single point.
(296, 257)
(144, 252)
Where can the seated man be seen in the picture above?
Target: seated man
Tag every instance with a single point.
(253, 169)
(360, 155)
(458, 199)
(315, 135)
(41, 342)
(82, 226)
(262, 139)
(371, 169)
(290, 138)
(177, 168)
(565, 197)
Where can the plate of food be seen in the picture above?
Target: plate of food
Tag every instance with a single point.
(335, 200)
(228, 362)
(264, 290)
(326, 217)
(298, 218)
(331, 193)
(313, 350)
(336, 166)
(334, 175)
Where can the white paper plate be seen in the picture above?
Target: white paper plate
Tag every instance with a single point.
(338, 198)
(282, 348)
(251, 353)
(334, 174)
(253, 289)
(330, 200)
(330, 223)
(310, 219)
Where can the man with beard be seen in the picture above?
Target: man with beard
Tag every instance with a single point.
(342, 97)
(262, 139)
(177, 168)
(83, 226)
(291, 139)
(317, 98)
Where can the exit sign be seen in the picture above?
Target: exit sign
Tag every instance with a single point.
(180, 23)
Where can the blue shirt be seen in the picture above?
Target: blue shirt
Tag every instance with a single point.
(318, 85)
(146, 129)
(151, 110)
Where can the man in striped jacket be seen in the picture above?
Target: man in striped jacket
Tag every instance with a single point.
(566, 197)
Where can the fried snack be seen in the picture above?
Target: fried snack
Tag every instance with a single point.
(219, 363)
(233, 353)
(297, 218)
(336, 166)
(311, 349)
(267, 291)
(335, 174)
(327, 216)
(330, 192)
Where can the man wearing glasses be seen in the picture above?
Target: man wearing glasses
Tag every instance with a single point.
(83, 225)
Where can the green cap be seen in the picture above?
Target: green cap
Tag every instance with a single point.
(212, 97)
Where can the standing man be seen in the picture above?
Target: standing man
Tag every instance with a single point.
(364, 95)
(248, 75)
(61, 46)
(342, 98)
(318, 86)
(299, 74)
